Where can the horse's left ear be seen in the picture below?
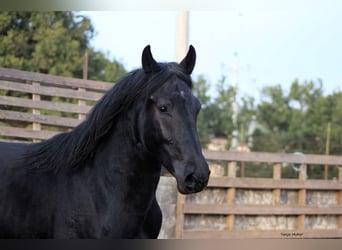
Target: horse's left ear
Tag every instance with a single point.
(189, 61)
(149, 65)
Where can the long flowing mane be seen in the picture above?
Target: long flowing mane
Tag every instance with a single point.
(70, 150)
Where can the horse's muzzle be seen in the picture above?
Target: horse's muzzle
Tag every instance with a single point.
(193, 183)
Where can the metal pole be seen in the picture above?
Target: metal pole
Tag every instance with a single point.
(327, 145)
(85, 66)
(327, 150)
(235, 134)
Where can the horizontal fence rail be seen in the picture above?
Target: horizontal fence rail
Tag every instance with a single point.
(14, 75)
(273, 157)
(35, 106)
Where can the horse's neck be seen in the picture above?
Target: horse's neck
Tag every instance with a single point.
(120, 154)
(127, 177)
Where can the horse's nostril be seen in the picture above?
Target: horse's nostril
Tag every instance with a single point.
(195, 183)
(190, 180)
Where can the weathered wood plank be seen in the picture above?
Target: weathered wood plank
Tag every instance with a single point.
(226, 209)
(272, 157)
(50, 91)
(179, 221)
(231, 195)
(35, 97)
(14, 74)
(264, 183)
(45, 105)
(264, 234)
(301, 197)
(6, 115)
(25, 133)
(276, 191)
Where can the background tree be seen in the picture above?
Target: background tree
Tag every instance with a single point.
(201, 91)
(222, 124)
(324, 113)
(246, 120)
(298, 120)
(46, 42)
(53, 43)
(101, 68)
(215, 118)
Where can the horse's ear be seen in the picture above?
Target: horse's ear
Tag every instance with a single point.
(189, 61)
(149, 65)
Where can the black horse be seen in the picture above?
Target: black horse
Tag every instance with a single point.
(100, 179)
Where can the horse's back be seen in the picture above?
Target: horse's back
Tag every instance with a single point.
(22, 195)
(11, 153)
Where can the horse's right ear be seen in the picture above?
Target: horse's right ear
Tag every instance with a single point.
(149, 65)
(189, 61)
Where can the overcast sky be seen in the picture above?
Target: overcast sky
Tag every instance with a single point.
(273, 46)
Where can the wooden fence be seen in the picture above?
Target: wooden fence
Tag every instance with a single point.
(279, 208)
(36, 106)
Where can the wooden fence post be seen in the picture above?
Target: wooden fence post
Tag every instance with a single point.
(85, 77)
(276, 176)
(179, 216)
(301, 198)
(339, 196)
(36, 126)
(231, 195)
(81, 103)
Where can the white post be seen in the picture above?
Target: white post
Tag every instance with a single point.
(182, 34)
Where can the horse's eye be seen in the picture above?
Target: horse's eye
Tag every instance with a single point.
(163, 109)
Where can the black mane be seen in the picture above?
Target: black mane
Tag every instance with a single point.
(71, 149)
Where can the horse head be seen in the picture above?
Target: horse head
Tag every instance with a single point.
(170, 123)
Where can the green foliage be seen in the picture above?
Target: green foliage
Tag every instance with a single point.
(298, 121)
(256, 170)
(245, 118)
(102, 69)
(223, 125)
(46, 42)
(215, 116)
(201, 89)
(53, 43)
